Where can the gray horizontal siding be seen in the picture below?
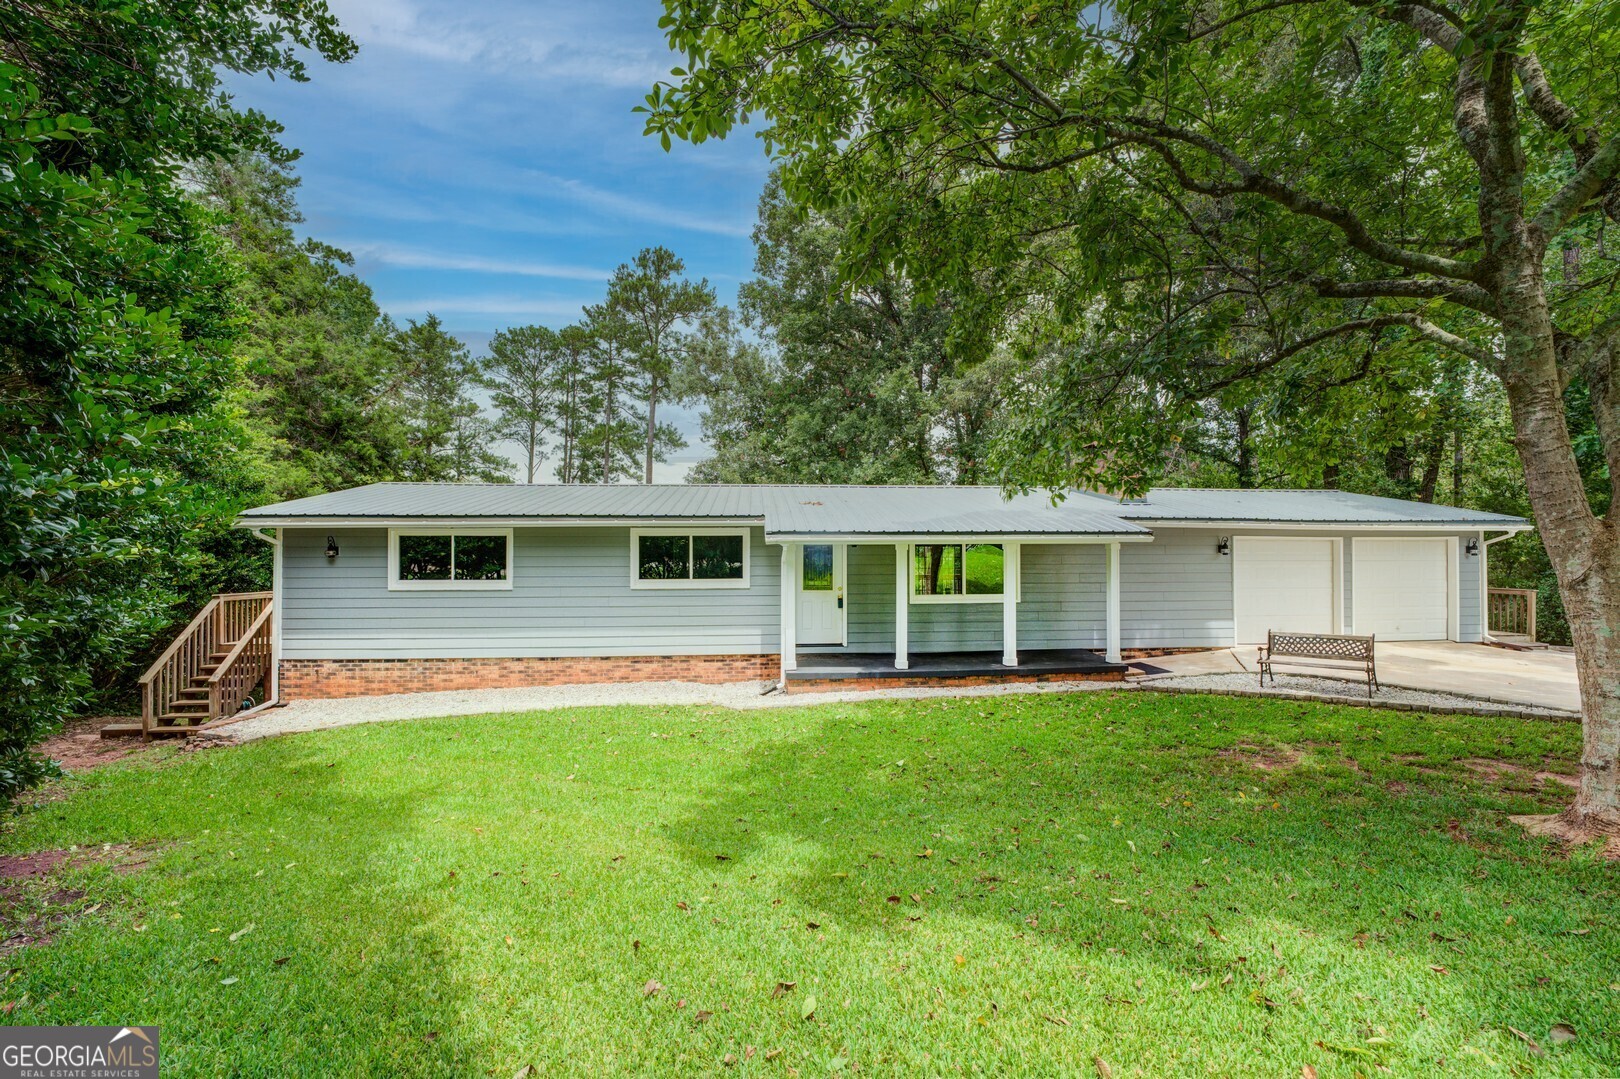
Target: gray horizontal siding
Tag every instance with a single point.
(1176, 592)
(570, 596)
(1063, 604)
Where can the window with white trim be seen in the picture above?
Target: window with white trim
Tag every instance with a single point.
(957, 572)
(427, 559)
(689, 558)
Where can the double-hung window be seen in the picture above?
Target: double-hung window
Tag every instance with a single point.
(689, 558)
(957, 573)
(449, 558)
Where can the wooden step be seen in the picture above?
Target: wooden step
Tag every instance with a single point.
(133, 730)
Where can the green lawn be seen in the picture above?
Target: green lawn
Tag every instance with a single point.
(1014, 885)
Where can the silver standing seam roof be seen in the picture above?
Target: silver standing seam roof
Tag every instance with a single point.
(838, 510)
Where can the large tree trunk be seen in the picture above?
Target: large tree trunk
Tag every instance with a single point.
(1582, 548)
(652, 428)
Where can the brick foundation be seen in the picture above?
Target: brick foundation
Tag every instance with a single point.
(327, 678)
(825, 685)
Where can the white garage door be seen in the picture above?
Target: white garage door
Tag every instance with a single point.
(1281, 584)
(1402, 588)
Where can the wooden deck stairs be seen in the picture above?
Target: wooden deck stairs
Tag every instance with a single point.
(219, 664)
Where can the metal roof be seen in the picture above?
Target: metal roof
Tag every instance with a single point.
(782, 509)
(1293, 507)
(815, 510)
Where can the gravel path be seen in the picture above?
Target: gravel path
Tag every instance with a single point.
(1339, 689)
(321, 715)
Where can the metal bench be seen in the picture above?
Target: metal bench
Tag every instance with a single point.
(1318, 651)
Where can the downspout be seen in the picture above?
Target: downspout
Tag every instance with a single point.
(274, 540)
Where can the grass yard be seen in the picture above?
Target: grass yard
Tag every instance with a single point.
(1165, 884)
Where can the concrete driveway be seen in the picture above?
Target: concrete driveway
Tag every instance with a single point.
(1543, 678)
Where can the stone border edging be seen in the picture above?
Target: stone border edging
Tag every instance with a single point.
(1513, 709)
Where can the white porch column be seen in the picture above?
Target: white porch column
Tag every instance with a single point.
(902, 606)
(1113, 603)
(790, 607)
(1010, 555)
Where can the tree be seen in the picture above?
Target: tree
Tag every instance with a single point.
(318, 396)
(847, 386)
(436, 375)
(610, 441)
(1199, 194)
(116, 324)
(520, 373)
(572, 395)
(659, 308)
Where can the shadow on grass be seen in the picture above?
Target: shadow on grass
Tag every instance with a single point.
(1313, 873)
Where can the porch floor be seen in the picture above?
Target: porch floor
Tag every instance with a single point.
(1034, 662)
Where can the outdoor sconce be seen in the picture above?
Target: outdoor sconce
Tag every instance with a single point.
(1472, 548)
(1225, 545)
(331, 549)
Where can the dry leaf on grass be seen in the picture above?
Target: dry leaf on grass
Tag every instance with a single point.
(652, 988)
(783, 989)
(1528, 1040)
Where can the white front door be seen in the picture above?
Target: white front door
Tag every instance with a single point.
(821, 594)
(1283, 584)
(1402, 588)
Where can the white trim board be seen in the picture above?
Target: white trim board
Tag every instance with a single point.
(1339, 526)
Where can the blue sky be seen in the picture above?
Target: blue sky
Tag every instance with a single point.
(481, 161)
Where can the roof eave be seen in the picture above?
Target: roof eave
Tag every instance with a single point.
(1515, 525)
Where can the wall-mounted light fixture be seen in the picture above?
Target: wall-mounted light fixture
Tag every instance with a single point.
(331, 549)
(1472, 548)
(1225, 545)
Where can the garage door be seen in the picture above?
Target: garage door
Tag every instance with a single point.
(1402, 588)
(1281, 584)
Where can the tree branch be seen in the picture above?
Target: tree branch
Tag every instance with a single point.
(1253, 181)
(1559, 118)
(1569, 200)
(1466, 295)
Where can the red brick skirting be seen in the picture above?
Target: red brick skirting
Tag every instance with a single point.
(325, 678)
(824, 685)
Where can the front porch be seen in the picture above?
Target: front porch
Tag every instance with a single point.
(949, 610)
(852, 670)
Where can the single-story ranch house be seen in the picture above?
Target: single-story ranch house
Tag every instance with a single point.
(398, 587)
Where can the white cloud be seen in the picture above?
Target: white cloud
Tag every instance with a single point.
(416, 259)
(521, 41)
(507, 304)
(658, 213)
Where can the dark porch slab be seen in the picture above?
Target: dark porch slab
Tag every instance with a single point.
(1048, 663)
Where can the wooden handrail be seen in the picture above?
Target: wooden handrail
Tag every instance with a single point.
(236, 650)
(184, 635)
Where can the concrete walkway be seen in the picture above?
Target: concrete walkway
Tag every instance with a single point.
(1541, 679)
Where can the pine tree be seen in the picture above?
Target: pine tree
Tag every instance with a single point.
(520, 374)
(661, 309)
(437, 372)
